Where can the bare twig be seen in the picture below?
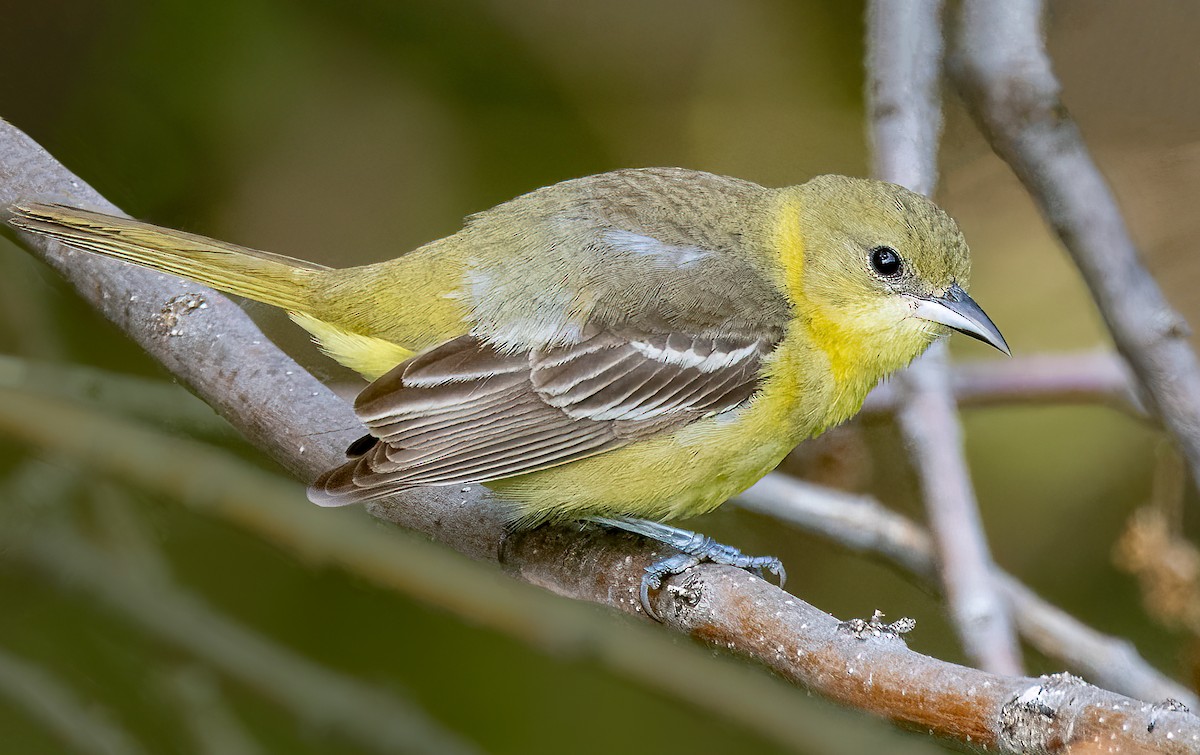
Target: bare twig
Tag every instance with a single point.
(219, 353)
(862, 524)
(75, 722)
(1097, 377)
(904, 103)
(904, 108)
(1001, 66)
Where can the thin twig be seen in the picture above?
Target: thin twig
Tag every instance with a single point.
(862, 524)
(1002, 69)
(220, 354)
(904, 42)
(77, 723)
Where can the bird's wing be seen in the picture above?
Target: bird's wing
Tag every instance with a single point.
(469, 412)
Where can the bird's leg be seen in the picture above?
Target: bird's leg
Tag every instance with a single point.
(693, 548)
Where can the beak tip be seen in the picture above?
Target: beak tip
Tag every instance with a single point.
(959, 311)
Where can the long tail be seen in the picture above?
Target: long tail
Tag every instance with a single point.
(262, 276)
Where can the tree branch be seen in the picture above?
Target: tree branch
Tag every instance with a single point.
(864, 525)
(904, 44)
(1098, 377)
(1001, 67)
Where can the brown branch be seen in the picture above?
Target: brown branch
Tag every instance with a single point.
(218, 352)
(904, 49)
(1001, 67)
(864, 525)
(875, 673)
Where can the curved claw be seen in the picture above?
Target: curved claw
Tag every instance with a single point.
(645, 595)
(656, 572)
(763, 564)
(779, 572)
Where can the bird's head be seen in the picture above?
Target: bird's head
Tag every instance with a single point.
(880, 271)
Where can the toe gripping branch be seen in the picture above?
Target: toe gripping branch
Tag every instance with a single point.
(694, 549)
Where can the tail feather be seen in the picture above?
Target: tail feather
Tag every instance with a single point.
(262, 276)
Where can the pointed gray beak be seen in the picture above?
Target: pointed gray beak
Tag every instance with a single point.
(957, 310)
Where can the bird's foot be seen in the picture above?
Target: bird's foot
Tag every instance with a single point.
(694, 549)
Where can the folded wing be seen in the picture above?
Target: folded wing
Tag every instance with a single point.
(470, 412)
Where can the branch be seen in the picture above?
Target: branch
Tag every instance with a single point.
(215, 729)
(1001, 67)
(1098, 377)
(75, 722)
(142, 398)
(864, 525)
(220, 354)
(904, 65)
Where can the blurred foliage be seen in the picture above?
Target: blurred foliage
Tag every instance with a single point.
(349, 132)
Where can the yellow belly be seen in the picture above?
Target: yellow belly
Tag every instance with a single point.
(672, 477)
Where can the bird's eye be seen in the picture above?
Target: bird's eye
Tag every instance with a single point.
(886, 261)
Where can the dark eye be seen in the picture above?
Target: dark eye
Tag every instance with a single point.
(886, 261)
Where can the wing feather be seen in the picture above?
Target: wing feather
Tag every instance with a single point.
(470, 412)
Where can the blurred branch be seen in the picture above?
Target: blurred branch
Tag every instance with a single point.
(862, 524)
(155, 401)
(904, 62)
(1087, 377)
(219, 353)
(77, 723)
(1001, 67)
(368, 716)
(215, 729)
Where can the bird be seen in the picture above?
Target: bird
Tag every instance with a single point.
(629, 348)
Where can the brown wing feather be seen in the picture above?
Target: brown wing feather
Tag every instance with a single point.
(468, 412)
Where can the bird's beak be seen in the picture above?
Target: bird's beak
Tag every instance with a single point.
(957, 310)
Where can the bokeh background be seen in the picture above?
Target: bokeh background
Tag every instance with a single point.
(353, 131)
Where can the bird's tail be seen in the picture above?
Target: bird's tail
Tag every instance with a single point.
(262, 276)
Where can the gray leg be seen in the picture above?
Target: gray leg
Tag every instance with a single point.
(693, 548)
